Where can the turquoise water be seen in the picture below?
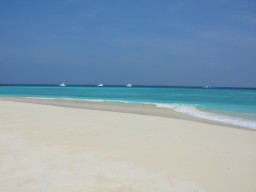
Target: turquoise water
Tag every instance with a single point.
(232, 106)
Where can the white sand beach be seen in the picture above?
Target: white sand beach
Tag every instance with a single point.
(58, 149)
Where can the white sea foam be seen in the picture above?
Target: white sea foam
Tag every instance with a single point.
(83, 99)
(98, 100)
(194, 111)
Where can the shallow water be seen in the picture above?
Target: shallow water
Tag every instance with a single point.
(232, 106)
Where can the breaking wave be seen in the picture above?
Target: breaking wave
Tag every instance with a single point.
(193, 110)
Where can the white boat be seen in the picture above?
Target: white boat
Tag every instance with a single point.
(62, 85)
(129, 85)
(207, 86)
(100, 85)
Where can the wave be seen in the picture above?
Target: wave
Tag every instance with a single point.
(82, 99)
(99, 100)
(193, 110)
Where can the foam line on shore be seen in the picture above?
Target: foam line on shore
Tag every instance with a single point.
(180, 111)
(193, 110)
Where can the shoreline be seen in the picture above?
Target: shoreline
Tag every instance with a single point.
(52, 148)
(132, 108)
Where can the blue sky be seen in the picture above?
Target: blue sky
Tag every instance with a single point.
(116, 41)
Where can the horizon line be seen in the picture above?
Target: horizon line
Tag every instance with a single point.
(119, 85)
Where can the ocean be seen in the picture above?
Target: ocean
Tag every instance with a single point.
(234, 106)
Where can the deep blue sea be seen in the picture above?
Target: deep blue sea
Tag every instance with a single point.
(232, 106)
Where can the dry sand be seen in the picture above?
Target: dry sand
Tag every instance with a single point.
(58, 149)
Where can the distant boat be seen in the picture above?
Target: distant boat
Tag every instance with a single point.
(100, 85)
(129, 85)
(62, 85)
(207, 86)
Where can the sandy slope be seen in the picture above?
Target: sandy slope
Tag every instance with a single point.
(49, 148)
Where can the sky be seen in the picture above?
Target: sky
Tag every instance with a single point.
(143, 42)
